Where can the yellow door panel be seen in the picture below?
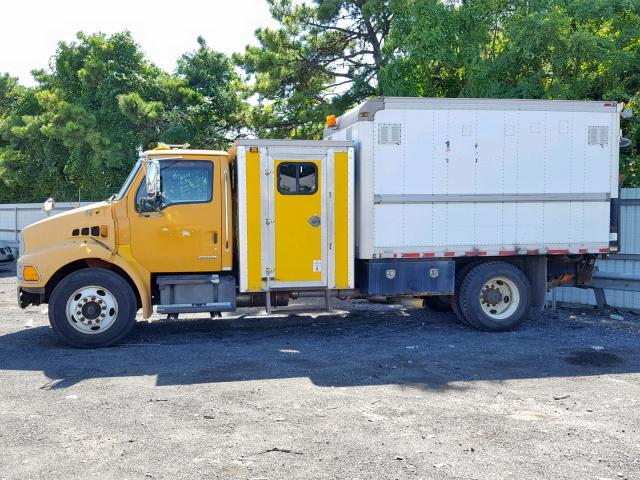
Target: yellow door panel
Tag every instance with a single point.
(186, 236)
(298, 221)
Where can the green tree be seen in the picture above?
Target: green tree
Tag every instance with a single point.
(101, 101)
(323, 58)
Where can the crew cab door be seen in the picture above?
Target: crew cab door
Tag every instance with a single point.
(185, 235)
(296, 224)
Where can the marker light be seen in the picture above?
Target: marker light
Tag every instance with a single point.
(30, 274)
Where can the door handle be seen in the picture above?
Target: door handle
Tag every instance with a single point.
(215, 237)
(314, 220)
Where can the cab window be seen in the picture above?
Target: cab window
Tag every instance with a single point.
(183, 182)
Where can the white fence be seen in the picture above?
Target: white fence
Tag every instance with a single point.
(15, 216)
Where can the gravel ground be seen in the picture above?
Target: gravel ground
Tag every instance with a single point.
(371, 392)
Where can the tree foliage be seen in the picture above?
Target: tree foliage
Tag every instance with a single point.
(323, 58)
(101, 101)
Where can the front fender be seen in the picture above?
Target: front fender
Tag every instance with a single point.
(52, 258)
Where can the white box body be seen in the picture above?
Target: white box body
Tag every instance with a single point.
(454, 177)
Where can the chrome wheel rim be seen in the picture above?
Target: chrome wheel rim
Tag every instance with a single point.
(92, 310)
(499, 298)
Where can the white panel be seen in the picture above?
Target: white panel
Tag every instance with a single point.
(487, 228)
(597, 158)
(576, 221)
(492, 146)
(529, 223)
(441, 153)
(559, 152)
(419, 156)
(509, 225)
(388, 158)
(418, 227)
(388, 225)
(531, 153)
(462, 165)
(596, 222)
(439, 228)
(459, 224)
(555, 225)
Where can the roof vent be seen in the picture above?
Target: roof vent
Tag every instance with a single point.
(598, 135)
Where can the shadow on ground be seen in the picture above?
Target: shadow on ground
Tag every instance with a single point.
(423, 350)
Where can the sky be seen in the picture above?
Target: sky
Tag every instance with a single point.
(31, 29)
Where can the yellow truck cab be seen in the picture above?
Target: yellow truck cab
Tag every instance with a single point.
(168, 238)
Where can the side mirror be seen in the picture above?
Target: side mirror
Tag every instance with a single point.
(152, 177)
(152, 202)
(626, 114)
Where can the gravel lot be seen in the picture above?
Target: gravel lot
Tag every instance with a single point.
(373, 392)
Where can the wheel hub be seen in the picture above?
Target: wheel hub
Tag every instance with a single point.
(499, 298)
(92, 309)
(492, 296)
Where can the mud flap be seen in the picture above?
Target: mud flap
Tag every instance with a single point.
(535, 267)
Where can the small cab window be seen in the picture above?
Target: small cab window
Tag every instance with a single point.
(297, 178)
(183, 181)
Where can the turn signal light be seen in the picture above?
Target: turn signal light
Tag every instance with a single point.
(331, 121)
(30, 274)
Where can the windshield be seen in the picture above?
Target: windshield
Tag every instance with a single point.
(127, 182)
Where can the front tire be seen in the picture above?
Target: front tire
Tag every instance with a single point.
(495, 297)
(92, 307)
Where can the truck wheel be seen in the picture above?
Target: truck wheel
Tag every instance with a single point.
(495, 297)
(438, 303)
(461, 273)
(92, 307)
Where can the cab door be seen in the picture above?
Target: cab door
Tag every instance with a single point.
(185, 235)
(298, 237)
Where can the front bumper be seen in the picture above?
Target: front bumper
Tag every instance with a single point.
(30, 296)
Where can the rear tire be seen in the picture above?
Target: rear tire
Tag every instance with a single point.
(495, 297)
(92, 307)
(461, 273)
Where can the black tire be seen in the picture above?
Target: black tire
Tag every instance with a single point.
(461, 273)
(494, 279)
(438, 303)
(121, 322)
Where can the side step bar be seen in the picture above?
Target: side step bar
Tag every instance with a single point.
(190, 308)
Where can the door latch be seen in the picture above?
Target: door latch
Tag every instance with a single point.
(314, 220)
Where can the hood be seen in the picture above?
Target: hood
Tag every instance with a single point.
(77, 224)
